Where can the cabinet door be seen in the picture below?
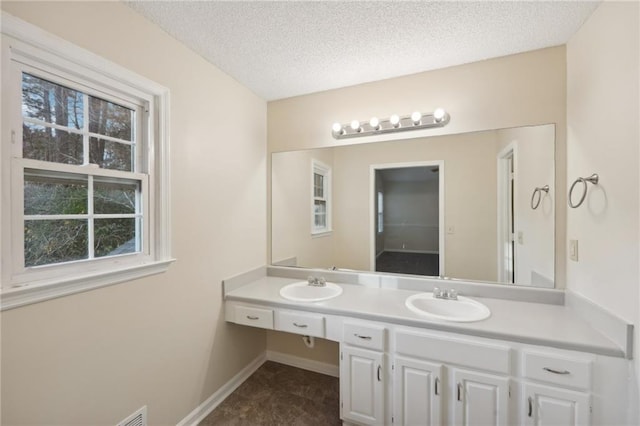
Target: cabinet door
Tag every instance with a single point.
(479, 399)
(417, 393)
(548, 405)
(362, 385)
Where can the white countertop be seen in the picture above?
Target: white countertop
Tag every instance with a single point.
(532, 323)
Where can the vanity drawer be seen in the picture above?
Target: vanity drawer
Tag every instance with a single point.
(300, 323)
(368, 336)
(557, 369)
(468, 353)
(256, 317)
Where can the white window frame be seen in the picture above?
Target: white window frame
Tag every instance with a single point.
(318, 167)
(28, 48)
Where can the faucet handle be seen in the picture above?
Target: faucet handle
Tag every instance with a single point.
(322, 281)
(437, 292)
(453, 294)
(311, 279)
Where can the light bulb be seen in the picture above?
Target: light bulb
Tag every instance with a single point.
(374, 123)
(438, 115)
(394, 120)
(337, 128)
(416, 117)
(355, 126)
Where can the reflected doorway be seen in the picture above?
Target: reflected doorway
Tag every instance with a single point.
(408, 218)
(506, 214)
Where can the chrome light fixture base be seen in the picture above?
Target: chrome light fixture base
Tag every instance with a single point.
(415, 121)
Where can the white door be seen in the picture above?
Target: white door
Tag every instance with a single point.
(479, 398)
(546, 406)
(362, 385)
(417, 392)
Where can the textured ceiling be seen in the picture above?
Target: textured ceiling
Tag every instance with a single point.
(284, 49)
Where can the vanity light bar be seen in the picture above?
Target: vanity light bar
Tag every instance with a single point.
(395, 123)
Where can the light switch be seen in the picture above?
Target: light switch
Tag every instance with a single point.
(573, 250)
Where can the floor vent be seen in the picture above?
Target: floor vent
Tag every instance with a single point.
(139, 418)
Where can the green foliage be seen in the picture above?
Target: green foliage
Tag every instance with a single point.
(49, 241)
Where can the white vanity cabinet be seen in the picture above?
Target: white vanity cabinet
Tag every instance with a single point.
(418, 391)
(555, 389)
(363, 373)
(440, 379)
(548, 405)
(479, 398)
(393, 374)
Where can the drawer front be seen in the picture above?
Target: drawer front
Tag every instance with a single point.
(484, 356)
(256, 317)
(368, 336)
(557, 369)
(300, 323)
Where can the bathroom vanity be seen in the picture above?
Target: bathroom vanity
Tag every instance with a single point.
(528, 363)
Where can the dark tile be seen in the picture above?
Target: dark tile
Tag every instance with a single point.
(278, 394)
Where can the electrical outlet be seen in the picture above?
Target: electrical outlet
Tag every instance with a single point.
(451, 229)
(573, 250)
(520, 238)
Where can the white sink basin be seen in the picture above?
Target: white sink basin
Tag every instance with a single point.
(461, 310)
(303, 292)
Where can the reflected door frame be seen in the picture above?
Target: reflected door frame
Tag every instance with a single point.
(507, 160)
(373, 214)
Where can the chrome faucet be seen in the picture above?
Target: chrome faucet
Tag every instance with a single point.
(450, 294)
(316, 282)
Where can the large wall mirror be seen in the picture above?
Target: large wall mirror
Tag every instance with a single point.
(476, 206)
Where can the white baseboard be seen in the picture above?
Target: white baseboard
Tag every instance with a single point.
(304, 363)
(204, 409)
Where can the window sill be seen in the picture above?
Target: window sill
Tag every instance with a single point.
(26, 295)
(320, 234)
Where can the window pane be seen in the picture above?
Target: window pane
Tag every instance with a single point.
(110, 155)
(54, 194)
(114, 236)
(318, 185)
(109, 119)
(114, 197)
(48, 144)
(54, 241)
(51, 102)
(320, 214)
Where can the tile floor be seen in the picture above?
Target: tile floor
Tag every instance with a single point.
(278, 394)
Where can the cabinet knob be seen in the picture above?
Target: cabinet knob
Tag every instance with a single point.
(530, 407)
(459, 391)
(437, 381)
(379, 373)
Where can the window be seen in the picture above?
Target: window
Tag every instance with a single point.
(87, 159)
(321, 198)
(380, 212)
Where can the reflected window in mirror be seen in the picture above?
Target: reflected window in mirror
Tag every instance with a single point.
(380, 212)
(321, 198)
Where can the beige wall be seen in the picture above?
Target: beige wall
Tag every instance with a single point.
(324, 351)
(95, 357)
(603, 78)
(291, 209)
